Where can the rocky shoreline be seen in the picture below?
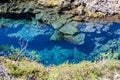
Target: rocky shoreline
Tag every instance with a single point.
(51, 10)
(22, 70)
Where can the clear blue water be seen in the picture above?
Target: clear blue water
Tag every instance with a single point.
(99, 37)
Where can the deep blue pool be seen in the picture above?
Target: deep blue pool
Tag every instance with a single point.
(99, 37)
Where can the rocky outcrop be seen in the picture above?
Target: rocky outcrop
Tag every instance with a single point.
(43, 9)
(106, 6)
(4, 72)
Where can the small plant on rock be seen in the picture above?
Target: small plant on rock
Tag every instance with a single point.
(107, 56)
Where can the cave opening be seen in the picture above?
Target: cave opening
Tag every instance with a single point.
(5, 1)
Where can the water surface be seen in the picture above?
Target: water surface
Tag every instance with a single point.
(99, 37)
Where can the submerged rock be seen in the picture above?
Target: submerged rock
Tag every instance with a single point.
(78, 56)
(58, 55)
(77, 39)
(70, 28)
(55, 36)
(97, 27)
(60, 23)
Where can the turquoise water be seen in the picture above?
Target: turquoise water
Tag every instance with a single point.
(99, 37)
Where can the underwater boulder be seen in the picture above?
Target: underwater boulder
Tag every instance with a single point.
(59, 23)
(109, 45)
(77, 39)
(58, 55)
(70, 28)
(55, 36)
(93, 27)
(78, 56)
(45, 29)
(86, 27)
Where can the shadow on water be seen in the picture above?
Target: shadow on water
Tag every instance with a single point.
(42, 42)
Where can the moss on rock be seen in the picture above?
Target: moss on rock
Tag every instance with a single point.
(26, 69)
